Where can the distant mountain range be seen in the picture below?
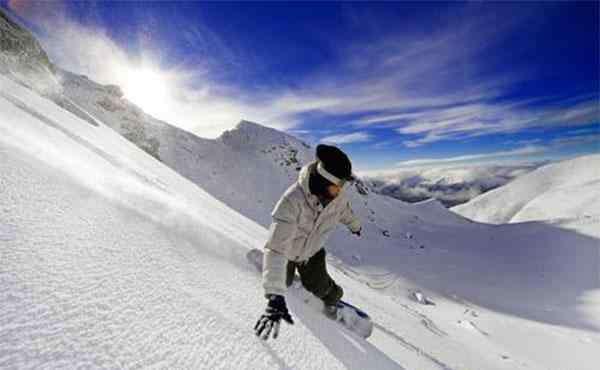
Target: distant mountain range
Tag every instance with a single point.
(449, 185)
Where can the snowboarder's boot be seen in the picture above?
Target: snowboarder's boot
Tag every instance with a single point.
(332, 311)
(331, 301)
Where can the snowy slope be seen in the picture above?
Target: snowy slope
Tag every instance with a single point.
(480, 320)
(423, 247)
(109, 259)
(566, 190)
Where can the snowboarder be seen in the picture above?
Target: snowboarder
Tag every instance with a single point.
(303, 218)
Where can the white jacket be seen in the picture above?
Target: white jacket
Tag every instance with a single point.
(300, 228)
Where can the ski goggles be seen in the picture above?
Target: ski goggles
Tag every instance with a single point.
(332, 178)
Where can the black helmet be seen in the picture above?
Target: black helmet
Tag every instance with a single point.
(333, 167)
(335, 161)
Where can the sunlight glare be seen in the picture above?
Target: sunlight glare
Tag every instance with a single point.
(148, 89)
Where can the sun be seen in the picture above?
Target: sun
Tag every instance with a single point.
(147, 88)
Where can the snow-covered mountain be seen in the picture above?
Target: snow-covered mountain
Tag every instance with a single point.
(226, 166)
(567, 191)
(110, 257)
(449, 185)
(234, 152)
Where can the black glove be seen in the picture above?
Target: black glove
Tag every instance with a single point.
(269, 321)
(357, 233)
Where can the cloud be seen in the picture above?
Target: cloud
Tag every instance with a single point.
(593, 129)
(451, 186)
(580, 139)
(439, 85)
(479, 119)
(347, 138)
(406, 69)
(531, 147)
(524, 142)
(527, 150)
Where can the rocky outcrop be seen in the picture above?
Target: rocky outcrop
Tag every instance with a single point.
(19, 43)
(23, 58)
(106, 104)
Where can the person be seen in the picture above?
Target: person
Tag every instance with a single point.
(303, 219)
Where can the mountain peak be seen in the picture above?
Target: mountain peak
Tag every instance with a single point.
(245, 123)
(247, 133)
(249, 126)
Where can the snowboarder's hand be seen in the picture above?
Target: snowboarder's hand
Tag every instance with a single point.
(269, 321)
(357, 233)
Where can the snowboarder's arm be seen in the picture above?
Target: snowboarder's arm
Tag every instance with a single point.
(349, 219)
(274, 272)
(281, 234)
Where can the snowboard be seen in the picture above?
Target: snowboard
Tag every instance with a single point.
(348, 315)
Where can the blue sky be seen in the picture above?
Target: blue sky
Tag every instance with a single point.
(393, 84)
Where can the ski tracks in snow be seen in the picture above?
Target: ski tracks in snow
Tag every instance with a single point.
(408, 345)
(425, 320)
(386, 281)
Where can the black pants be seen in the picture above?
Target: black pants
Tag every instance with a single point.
(315, 278)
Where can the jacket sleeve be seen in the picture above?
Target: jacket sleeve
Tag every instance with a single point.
(349, 219)
(274, 272)
(281, 234)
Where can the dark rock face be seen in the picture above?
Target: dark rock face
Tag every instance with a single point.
(20, 49)
(134, 130)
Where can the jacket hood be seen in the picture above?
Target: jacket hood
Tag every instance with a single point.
(304, 175)
(303, 178)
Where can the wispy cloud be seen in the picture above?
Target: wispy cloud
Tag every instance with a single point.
(411, 70)
(524, 142)
(485, 119)
(347, 138)
(595, 129)
(581, 139)
(530, 147)
(439, 86)
(527, 150)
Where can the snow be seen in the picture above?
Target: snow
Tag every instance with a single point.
(110, 258)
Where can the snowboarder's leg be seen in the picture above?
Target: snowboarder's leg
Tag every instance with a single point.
(316, 279)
